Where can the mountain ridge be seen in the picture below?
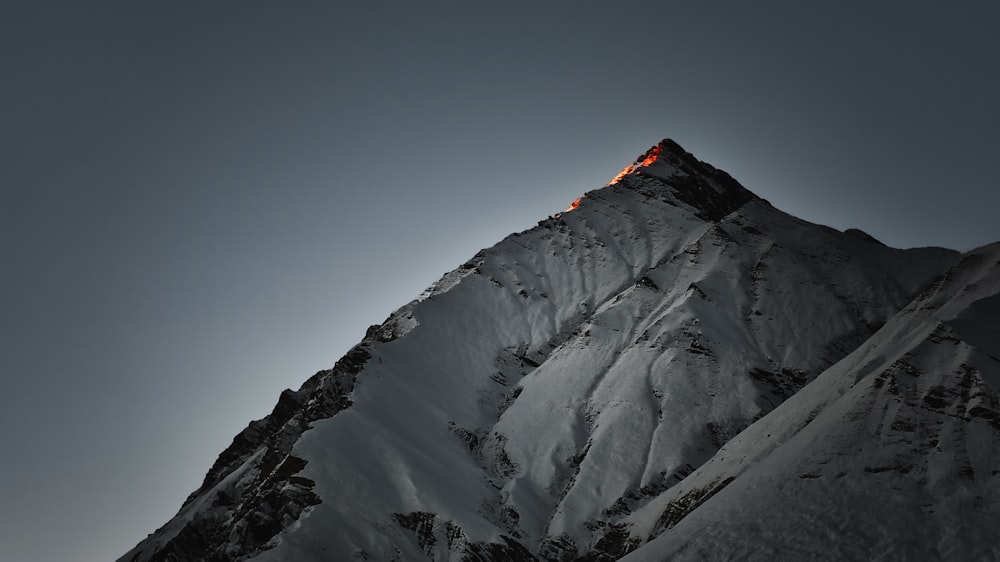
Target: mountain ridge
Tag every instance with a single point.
(502, 414)
(924, 456)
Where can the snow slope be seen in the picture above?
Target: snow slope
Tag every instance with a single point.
(891, 454)
(551, 397)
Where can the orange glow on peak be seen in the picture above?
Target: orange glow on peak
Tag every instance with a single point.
(575, 203)
(651, 156)
(621, 174)
(647, 159)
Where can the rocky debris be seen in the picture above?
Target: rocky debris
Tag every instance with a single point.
(646, 283)
(438, 538)
(614, 541)
(682, 506)
(782, 383)
(560, 548)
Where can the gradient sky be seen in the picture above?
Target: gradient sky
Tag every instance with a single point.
(203, 203)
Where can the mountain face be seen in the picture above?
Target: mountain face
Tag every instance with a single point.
(671, 369)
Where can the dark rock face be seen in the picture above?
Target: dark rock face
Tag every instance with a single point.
(680, 508)
(240, 528)
(421, 523)
(613, 543)
(711, 191)
(862, 235)
(558, 549)
(436, 536)
(253, 487)
(322, 396)
(783, 383)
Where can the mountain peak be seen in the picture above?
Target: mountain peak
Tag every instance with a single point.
(668, 171)
(647, 158)
(663, 152)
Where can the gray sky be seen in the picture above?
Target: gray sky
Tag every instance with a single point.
(202, 203)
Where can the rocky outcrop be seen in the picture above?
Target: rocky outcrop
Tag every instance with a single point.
(252, 492)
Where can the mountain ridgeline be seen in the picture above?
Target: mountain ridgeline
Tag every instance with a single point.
(672, 369)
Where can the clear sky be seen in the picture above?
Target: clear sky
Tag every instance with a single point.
(203, 203)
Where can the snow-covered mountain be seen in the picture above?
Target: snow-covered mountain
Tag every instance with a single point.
(670, 368)
(891, 454)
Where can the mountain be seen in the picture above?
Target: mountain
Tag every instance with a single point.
(892, 453)
(670, 368)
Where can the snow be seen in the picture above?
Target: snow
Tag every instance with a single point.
(883, 456)
(623, 399)
(566, 385)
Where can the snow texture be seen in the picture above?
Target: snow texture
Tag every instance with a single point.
(674, 369)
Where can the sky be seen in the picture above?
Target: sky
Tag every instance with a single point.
(203, 203)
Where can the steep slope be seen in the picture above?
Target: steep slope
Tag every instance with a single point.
(891, 454)
(534, 398)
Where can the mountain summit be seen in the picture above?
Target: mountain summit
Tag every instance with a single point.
(667, 170)
(671, 369)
